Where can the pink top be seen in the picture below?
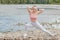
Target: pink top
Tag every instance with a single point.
(33, 17)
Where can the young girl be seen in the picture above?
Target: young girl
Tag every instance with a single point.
(34, 12)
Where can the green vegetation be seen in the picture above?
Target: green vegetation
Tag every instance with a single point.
(29, 1)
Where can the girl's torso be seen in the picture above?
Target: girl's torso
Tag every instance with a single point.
(33, 17)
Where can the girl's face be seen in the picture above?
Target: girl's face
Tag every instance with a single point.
(34, 9)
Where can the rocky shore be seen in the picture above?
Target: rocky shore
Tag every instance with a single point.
(31, 35)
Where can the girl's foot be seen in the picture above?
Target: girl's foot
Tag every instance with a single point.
(53, 34)
(25, 35)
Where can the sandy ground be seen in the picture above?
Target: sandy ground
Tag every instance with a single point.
(31, 35)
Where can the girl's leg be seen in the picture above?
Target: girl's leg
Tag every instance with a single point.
(25, 34)
(28, 24)
(37, 24)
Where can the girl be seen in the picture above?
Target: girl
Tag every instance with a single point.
(34, 12)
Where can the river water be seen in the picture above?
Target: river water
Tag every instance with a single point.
(10, 16)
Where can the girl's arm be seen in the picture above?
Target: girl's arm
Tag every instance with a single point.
(40, 11)
(29, 9)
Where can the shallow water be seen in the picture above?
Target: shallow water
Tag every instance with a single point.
(10, 16)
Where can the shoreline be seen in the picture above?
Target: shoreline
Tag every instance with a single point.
(32, 35)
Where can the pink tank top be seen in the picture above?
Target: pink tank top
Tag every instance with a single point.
(33, 17)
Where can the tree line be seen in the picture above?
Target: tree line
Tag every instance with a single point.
(29, 1)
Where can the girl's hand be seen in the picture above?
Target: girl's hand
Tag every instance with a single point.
(40, 11)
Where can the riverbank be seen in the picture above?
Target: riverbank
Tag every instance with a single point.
(31, 35)
(25, 5)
